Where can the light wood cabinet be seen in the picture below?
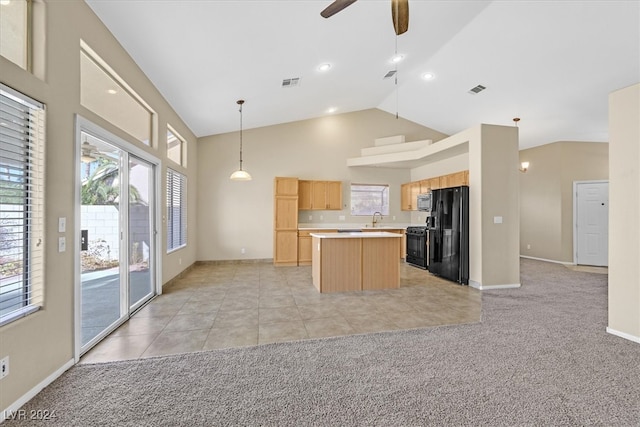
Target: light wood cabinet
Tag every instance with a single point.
(285, 239)
(455, 179)
(409, 191)
(304, 195)
(409, 196)
(320, 195)
(304, 244)
(334, 195)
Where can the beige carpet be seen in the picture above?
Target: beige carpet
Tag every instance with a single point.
(540, 356)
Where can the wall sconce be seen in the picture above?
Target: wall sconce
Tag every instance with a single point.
(524, 166)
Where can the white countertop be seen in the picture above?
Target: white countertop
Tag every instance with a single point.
(356, 235)
(328, 226)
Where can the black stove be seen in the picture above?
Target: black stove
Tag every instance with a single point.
(418, 246)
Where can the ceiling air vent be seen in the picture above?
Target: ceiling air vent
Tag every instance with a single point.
(390, 74)
(476, 89)
(292, 82)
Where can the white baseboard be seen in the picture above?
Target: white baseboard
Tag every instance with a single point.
(13, 408)
(547, 260)
(623, 335)
(482, 287)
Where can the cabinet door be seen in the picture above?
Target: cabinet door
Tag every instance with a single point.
(286, 213)
(304, 250)
(334, 195)
(318, 192)
(405, 197)
(425, 186)
(286, 248)
(415, 190)
(304, 195)
(434, 183)
(286, 186)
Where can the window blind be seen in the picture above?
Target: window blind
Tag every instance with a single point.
(176, 210)
(22, 130)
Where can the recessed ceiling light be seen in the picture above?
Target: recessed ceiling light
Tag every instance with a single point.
(324, 67)
(112, 91)
(428, 76)
(397, 58)
(331, 110)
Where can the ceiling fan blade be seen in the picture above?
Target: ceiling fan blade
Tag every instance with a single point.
(336, 7)
(400, 15)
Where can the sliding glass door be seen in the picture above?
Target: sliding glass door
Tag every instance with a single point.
(117, 234)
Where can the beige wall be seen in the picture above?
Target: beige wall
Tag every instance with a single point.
(42, 343)
(236, 215)
(546, 195)
(624, 213)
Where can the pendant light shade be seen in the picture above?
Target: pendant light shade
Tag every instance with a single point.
(240, 175)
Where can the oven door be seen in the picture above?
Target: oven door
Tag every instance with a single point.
(417, 248)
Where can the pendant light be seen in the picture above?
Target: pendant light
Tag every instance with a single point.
(240, 175)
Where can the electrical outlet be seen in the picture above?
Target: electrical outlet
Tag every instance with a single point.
(179, 261)
(4, 367)
(341, 218)
(528, 246)
(243, 250)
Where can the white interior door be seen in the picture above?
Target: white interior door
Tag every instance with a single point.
(592, 223)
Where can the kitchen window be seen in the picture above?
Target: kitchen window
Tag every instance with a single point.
(22, 122)
(366, 199)
(176, 210)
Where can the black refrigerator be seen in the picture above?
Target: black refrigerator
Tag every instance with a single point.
(449, 234)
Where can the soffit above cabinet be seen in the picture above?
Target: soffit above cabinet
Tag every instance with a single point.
(410, 155)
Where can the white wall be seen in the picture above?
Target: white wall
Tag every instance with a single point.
(236, 215)
(624, 213)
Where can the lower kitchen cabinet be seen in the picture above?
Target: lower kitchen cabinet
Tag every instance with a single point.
(286, 248)
(304, 244)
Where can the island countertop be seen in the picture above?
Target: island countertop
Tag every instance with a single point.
(356, 235)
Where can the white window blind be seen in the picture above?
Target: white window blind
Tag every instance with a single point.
(176, 210)
(22, 123)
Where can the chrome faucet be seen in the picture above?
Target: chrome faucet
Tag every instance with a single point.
(373, 220)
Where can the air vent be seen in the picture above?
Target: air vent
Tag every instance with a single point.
(477, 89)
(292, 82)
(390, 74)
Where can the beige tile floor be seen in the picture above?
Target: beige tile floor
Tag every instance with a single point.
(231, 305)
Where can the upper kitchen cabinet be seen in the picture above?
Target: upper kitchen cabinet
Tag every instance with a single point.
(286, 186)
(409, 196)
(304, 195)
(454, 179)
(320, 195)
(410, 190)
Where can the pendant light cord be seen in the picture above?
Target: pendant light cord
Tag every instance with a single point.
(240, 102)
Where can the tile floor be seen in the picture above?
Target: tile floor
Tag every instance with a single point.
(230, 305)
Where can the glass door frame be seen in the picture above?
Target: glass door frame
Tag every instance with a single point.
(84, 125)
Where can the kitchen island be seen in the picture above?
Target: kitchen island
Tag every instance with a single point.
(355, 261)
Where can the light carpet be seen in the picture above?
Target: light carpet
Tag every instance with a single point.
(540, 356)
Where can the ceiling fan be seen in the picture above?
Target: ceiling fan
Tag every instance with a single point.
(399, 12)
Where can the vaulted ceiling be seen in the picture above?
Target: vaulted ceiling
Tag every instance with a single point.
(551, 63)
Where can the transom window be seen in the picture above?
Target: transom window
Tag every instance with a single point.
(366, 199)
(14, 18)
(176, 147)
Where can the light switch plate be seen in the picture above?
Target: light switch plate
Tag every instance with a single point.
(62, 224)
(497, 220)
(62, 244)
